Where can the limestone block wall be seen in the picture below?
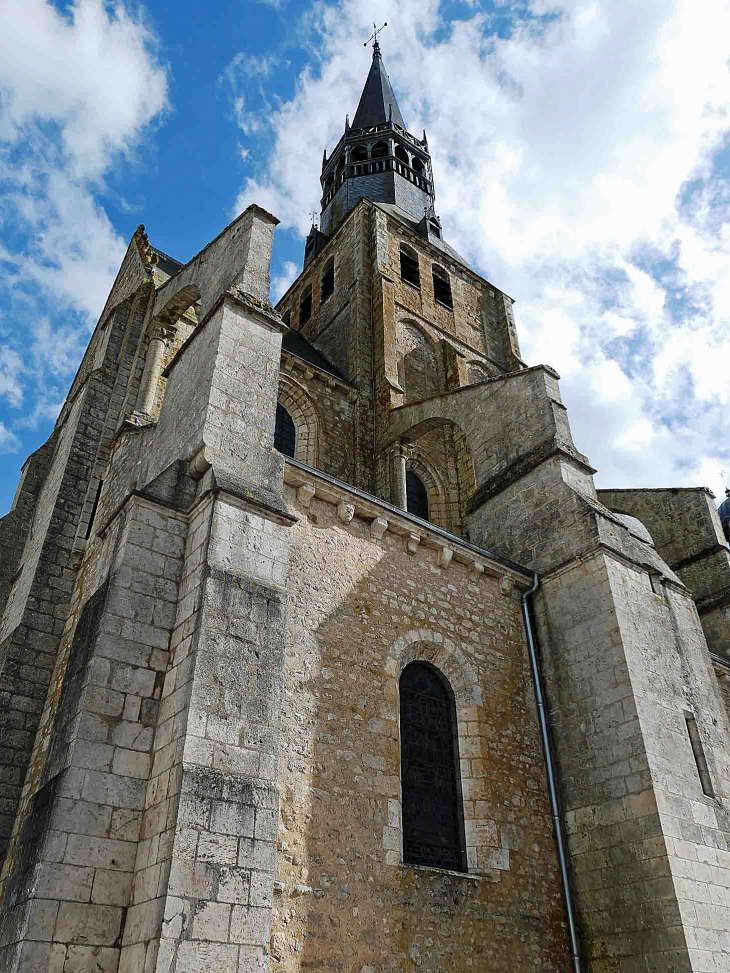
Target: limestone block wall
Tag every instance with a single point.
(40, 598)
(478, 320)
(627, 667)
(686, 530)
(368, 594)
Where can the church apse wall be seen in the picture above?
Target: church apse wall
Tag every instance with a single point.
(362, 607)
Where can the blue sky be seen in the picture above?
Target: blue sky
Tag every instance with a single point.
(581, 156)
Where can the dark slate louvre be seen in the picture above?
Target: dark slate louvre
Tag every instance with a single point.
(433, 832)
(285, 434)
(416, 496)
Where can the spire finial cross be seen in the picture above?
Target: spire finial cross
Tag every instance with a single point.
(374, 38)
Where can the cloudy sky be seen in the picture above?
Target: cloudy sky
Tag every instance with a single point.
(581, 156)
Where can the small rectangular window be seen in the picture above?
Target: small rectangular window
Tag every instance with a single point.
(305, 309)
(409, 270)
(442, 290)
(328, 282)
(699, 754)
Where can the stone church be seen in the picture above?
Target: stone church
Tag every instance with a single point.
(321, 651)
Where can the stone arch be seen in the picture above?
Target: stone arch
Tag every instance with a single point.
(446, 655)
(300, 406)
(478, 371)
(450, 659)
(420, 371)
(435, 488)
(459, 475)
(177, 305)
(359, 154)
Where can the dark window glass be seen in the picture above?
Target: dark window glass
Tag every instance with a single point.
(433, 831)
(305, 308)
(285, 434)
(328, 282)
(442, 288)
(409, 269)
(416, 496)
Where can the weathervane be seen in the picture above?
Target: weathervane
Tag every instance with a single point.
(374, 38)
(313, 214)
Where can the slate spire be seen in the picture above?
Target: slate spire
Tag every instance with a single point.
(377, 102)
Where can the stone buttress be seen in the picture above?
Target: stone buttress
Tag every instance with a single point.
(153, 805)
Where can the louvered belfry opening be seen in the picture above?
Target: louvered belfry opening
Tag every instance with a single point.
(433, 820)
(285, 433)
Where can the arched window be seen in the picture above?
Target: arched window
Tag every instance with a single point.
(379, 150)
(305, 306)
(400, 153)
(341, 165)
(409, 266)
(359, 154)
(328, 280)
(329, 181)
(416, 496)
(417, 165)
(285, 434)
(442, 286)
(433, 818)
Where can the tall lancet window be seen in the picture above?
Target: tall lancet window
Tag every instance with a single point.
(433, 819)
(285, 433)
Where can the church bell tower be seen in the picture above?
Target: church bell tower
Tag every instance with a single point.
(376, 157)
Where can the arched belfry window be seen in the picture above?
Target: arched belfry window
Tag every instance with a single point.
(433, 818)
(416, 496)
(285, 433)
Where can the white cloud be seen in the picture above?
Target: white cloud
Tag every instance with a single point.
(574, 165)
(9, 442)
(79, 89)
(11, 376)
(281, 282)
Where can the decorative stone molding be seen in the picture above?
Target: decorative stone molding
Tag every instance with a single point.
(199, 464)
(413, 541)
(383, 518)
(378, 528)
(305, 494)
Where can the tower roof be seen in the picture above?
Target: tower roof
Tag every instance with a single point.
(377, 98)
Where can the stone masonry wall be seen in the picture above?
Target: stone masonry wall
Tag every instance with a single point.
(360, 610)
(686, 530)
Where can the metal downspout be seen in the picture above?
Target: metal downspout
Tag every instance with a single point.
(552, 787)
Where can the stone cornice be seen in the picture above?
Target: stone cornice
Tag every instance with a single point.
(385, 518)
